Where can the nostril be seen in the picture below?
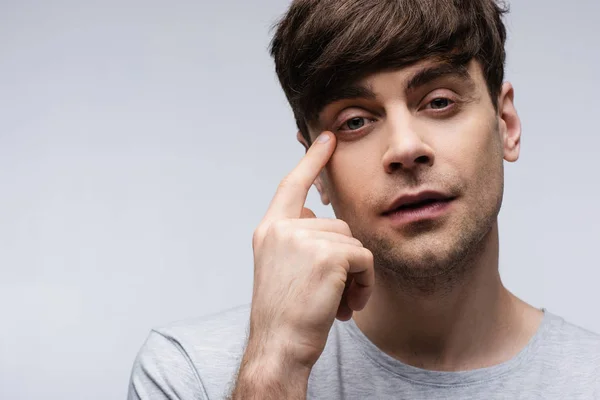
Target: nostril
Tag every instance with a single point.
(422, 160)
(395, 166)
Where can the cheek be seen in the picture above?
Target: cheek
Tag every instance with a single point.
(485, 166)
(475, 143)
(473, 149)
(348, 175)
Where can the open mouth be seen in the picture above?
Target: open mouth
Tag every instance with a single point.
(419, 205)
(416, 205)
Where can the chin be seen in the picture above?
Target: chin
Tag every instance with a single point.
(419, 259)
(421, 273)
(424, 256)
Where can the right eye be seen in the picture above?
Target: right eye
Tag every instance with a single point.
(354, 124)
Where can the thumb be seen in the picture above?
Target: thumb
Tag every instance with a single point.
(307, 213)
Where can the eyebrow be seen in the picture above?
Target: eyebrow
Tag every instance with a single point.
(428, 75)
(419, 79)
(355, 91)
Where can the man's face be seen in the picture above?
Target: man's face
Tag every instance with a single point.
(409, 132)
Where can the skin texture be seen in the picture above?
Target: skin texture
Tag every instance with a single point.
(407, 146)
(427, 292)
(301, 270)
(437, 288)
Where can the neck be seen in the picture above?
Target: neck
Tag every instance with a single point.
(475, 323)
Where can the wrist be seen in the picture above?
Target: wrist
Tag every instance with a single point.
(268, 372)
(275, 361)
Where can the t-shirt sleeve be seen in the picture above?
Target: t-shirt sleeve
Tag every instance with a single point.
(163, 370)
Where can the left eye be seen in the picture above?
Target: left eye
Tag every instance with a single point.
(354, 123)
(440, 103)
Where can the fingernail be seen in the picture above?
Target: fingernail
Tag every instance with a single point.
(323, 137)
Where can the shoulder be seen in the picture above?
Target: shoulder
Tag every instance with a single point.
(223, 332)
(563, 333)
(571, 348)
(195, 358)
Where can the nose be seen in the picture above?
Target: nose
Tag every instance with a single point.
(406, 149)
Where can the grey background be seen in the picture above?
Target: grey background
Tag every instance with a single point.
(141, 142)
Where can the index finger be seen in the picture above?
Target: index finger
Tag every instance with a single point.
(291, 194)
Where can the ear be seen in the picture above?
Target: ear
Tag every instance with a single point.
(510, 123)
(319, 181)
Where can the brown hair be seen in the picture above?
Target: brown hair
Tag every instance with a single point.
(322, 45)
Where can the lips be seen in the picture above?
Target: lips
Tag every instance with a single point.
(417, 200)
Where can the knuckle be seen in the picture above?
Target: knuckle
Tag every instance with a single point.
(326, 247)
(299, 236)
(279, 228)
(259, 235)
(323, 251)
(343, 227)
(328, 256)
(270, 230)
(343, 263)
(369, 256)
(357, 242)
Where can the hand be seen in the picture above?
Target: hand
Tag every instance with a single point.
(307, 270)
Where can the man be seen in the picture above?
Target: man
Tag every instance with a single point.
(407, 122)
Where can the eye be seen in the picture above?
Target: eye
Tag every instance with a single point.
(354, 123)
(440, 103)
